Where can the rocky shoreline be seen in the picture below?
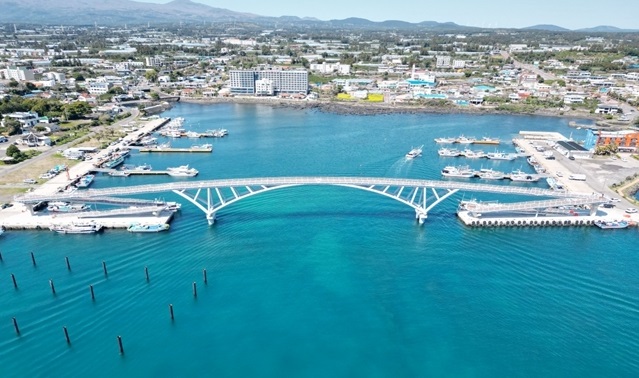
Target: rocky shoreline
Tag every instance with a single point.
(360, 108)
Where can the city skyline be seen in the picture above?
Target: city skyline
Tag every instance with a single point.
(569, 14)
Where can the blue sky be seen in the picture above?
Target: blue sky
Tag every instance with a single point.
(571, 14)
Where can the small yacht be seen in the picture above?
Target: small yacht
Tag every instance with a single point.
(518, 175)
(473, 154)
(85, 181)
(415, 152)
(449, 152)
(490, 174)
(77, 228)
(137, 227)
(182, 171)
(445, 140)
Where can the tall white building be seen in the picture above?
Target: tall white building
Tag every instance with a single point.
(264, 87)
(290, 82)
(443, 61)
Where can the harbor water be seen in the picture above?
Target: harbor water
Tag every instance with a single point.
(323, 281)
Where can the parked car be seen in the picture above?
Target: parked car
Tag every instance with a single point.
(631, 210)
(3, 139)
(29, 181)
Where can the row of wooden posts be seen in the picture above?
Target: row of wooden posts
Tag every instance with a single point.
(106, 273)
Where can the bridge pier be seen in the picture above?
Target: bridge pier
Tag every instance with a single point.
(210, 217)
(421, 216)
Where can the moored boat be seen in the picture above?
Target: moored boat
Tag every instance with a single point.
(463, 172)
(77, 228)
(66, 207)
(182, 171)
(520, 176)
(138, 227)
(607, 225)
(501, 156)
(114, 162)
(85, 181)
(448, 152)
(119, 173)
(465, 140)
(415, 152)
(444, 140)
(473, 154)
(490, 174)
(487, 140)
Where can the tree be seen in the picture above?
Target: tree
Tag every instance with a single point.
(155, 96)
(76, 109)
(78, 77)
(151, 75)
(12, 125)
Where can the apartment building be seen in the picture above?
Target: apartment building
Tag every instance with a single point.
(281, 82)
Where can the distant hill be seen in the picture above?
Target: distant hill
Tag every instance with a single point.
(114, 12)
(546, 27)
(607, 29)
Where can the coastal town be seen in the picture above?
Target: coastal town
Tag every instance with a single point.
(64, 101)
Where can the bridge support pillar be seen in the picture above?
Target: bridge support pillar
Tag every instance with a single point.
(421, 216)
(210, 217)
(593, 209)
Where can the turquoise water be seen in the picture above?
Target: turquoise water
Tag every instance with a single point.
(322, 281)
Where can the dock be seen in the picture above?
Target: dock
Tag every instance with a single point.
(172, 149)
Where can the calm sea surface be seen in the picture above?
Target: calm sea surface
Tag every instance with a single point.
(324, 281)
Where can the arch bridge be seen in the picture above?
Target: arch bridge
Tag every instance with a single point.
(210, 196)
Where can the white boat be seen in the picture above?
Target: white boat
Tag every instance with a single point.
(119, 173)
(66, 207)
(501, 156)
(415, 152)
(182, 171)
(473, 154)
(487, 140)
(463, 172)
(465, 140)
(192, 134)
(206, 146)
(143, 167)
(606, 225)
(490, 174)
(448, 152)
(137, 227)
(444, 140)
(520, 176)
(148, 141)
(77, 228)
(85, 181)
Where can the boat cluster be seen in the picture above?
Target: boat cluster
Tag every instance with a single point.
(488, 174)
(175, 129)
(468, 153)
(51, 173)
(92, 227)
(467, 140)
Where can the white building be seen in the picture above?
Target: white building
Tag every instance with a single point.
(264, 87)
(18, 74)
(459, 64)
(443, 61)
(284, 81)
(98, 88)
(154, 61)
(328, 68)
(27, 119)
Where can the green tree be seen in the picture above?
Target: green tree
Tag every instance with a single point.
(155, 96)
(76, 109)
(12, 125)
(151, 75)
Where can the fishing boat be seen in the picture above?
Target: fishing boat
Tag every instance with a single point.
(607, 225)
(216, 133)
(415, 152)
(490, 174)
(85, 181)
(205, 147)
(501, 156)
(448, 152)
(119, 173)
(182, 171)
(77, 228)
(192, 134)
(445, 140)
(114, 162)
(473, 154)
(463, 172)
(465, 140)
(143, 167)
(138, 227)
(487, 140)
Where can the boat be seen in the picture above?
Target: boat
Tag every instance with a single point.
(85, 181)
(501, 156)
(67, 207)
(490, 174)
(77, 228)
(518, 175)
(465, 140)
(473, 154)
(143, 167)
(415, 152)
(444, 140)
(463, 172)
(148, 141)
(182, 171)
(206, 147)
(138, 227)
(487, 140)
(119, 173)
(215, 133)
(607, 225)
(117, 160)
(192, 134)
(448, 152)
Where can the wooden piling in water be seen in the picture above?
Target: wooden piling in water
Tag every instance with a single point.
(120, 344)
(33, 259)
(92, 293)
(106, 273)
(68, 263)
(52, 286)
(1, 259)
(171, 311)
(66, 335)
(15, 283)
(194, 289)
(205, 278)
(15, 325)
(146, 273)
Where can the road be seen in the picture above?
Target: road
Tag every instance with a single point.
(529, 67)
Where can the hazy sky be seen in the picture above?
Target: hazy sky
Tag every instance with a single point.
(571, 14)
